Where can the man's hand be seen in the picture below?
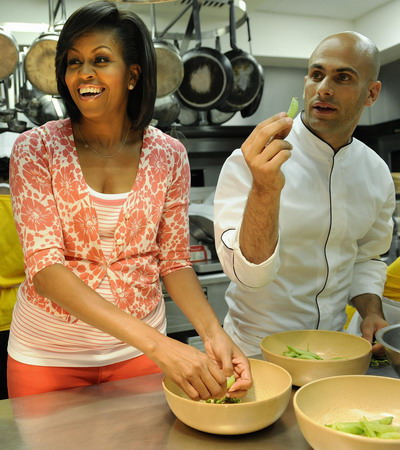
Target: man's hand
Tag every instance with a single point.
(369, 307)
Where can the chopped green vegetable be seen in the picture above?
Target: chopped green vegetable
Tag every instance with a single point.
(294, 352)
(381, 428)
(229, 381)
(223, 400)
(294, 106)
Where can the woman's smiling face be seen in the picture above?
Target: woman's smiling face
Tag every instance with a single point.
(97, 75)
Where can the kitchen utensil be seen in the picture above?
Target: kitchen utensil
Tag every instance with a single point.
(188, 117)
(264, 403)
(217, 117)
(166, 111)
(17, 126)
(250, 109)
(169, 62)
(9, 54)
(389, 337)
(208, 74)
(247, 73)
(353, 354)
(346, 398)
(6, 115)
(39, 63)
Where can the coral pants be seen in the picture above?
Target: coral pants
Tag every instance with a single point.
(25, 379)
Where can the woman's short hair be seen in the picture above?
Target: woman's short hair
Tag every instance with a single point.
(137, 48)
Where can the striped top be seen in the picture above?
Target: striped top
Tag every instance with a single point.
(39, 338)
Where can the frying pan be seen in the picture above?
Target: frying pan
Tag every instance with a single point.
(247, 72)
(253, 106)
(166, 111)
(188, 117)
(208, 74)
(9, 54)
(169, 63)
(217, 117)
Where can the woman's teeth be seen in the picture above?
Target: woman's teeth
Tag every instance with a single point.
(90, 91)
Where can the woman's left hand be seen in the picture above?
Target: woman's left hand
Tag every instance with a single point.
(227, 355)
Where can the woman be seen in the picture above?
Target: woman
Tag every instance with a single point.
(100, 201)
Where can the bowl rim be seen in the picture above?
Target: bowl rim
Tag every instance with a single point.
(319, 361)
(238, 405)
(379, 336)
(355, 437)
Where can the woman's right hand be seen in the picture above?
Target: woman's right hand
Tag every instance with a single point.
(192, 370)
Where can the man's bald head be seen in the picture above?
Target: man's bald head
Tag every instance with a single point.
(363, 48)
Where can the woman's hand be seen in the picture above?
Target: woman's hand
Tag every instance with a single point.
(192, 370)
(227, 355)
(203, 375)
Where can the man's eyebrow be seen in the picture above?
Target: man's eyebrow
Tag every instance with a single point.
(340, 69)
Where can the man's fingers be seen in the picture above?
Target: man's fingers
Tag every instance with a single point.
(264, 134)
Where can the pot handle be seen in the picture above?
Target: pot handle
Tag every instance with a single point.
(232, 25)
(196, 19)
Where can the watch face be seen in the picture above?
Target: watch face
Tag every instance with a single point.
(40, 65)
(9, 56)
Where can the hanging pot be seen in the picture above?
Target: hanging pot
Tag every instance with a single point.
(216, 117)
(208, 74)
(166, 111)
(9, 54)
(253, 106)
(39, 63)
(169, 62)
(247, 72)
(188, 117)
(169, 68)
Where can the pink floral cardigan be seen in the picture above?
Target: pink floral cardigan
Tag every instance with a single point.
(57, 223)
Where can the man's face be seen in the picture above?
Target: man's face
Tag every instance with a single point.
(336, 89)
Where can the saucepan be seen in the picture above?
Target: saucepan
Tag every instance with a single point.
(208, 74)
(247, 73)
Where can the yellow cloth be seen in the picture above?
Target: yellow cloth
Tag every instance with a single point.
(392, 286)
(391, 290)
(11, 262)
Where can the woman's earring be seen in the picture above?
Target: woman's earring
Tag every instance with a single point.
(131, 86)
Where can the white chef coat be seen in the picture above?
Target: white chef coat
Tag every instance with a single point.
(335, 221)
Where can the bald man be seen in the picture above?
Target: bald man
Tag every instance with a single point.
(303, 210)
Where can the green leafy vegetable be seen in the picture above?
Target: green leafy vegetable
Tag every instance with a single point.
(381, 428)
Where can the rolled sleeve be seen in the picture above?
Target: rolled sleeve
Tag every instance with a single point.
(229, 204)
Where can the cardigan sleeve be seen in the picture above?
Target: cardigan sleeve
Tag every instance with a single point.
(34, 207)
(173, 231)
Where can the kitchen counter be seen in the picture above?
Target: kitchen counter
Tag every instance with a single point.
(128, 414)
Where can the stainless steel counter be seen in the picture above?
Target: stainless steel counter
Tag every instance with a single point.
(130, 414)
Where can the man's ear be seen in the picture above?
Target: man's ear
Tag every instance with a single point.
(373, 93)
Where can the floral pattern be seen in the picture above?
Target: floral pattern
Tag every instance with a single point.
(57, 223)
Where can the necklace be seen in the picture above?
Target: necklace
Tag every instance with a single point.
(100, 154)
